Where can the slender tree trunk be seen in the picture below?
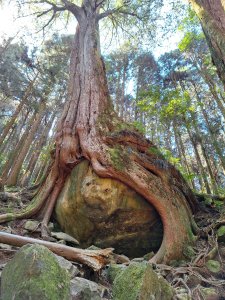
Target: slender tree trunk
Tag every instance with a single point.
(14, 152)
(18, 109)
(183, 152)
(212, 17)
(209, 81)
(8, 145)
(214, 141)
(13, 176)
(203, 150)
(40, 171)
(123, 107)
(199, 161)
(36, 152)
(118, 93)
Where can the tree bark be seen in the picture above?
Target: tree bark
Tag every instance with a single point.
(90, 129)
(212, 17)
(185, 162)
(13, 176)
(199, 161)
(10, 123)
(14, 152)
(36, 152)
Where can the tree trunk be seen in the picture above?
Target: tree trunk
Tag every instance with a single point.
(36, 152)
(185, 162)
(199, 161)
(212, 17)
(203, 150)
(10, 123)
(213, 139)
(215, 143)
(13, 154)
(13, 176)
(90, 129)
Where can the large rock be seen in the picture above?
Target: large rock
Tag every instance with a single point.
(83, 289)
(34, 273)
(139, 282)
(107, 213)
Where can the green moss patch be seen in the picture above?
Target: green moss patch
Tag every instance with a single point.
(34, 273)
(139, 281)
(213, 265)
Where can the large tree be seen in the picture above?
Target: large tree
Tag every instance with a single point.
(212, 17)
(90, 129)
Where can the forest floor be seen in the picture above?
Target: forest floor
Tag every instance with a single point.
(202, 277)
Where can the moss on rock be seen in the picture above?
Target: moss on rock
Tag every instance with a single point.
(221, 234)
(34, 273)
(139, 281)
(213, 265)
(114, 270)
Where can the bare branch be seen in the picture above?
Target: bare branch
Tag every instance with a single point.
(120, 10)
(73, 8)
(106, 13)
(49, 21)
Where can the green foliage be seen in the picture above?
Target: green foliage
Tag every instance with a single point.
(190, 26)
(147, 99)
(139, 126)
(116, 157)
(188, 39)
(176, 103)
(155, 151)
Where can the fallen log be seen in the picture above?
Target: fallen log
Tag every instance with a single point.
(95, 259)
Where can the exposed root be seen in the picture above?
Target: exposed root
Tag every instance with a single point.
(36, 204)
(131, 162)
(49, 209)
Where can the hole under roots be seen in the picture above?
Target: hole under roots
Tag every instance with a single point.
(119, 218)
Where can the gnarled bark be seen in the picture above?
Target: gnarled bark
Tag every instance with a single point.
(90, 129)
(212, 17)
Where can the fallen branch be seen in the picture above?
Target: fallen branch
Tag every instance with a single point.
(96, 259)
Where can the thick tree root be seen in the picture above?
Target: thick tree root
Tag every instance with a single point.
(36, 204)
(49, 209)
(145, 172)
(95, 259)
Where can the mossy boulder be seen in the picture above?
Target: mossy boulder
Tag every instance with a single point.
(114, 270)
(139, 282)
(106, 213)
(221, 234)
(213, 265)
(210, 293)
(34, 273)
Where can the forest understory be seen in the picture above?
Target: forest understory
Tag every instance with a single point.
(201, 276)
